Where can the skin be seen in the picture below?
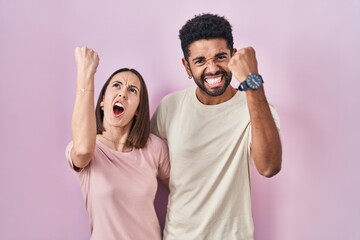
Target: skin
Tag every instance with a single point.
(83, 117)
(124, 88)
(206, 59)
(210, 60)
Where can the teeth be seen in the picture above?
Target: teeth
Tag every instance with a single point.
(118, 104)
(213, 80)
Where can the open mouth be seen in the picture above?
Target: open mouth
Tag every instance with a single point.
(118, 109)
(213, 81)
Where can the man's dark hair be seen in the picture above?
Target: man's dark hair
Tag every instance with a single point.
(205, 26)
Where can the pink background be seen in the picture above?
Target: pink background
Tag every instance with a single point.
(308, 53)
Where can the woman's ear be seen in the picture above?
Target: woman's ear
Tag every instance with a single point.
(102, 101)
(102, 104)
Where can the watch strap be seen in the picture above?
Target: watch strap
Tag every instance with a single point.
(243, 86)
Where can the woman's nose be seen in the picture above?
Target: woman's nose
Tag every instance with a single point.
(122, 95)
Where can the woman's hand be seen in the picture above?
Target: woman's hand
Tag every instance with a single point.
(87, 61)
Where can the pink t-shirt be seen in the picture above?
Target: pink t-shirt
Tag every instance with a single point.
(119, 190)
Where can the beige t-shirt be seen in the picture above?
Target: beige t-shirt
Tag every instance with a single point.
(209, 147)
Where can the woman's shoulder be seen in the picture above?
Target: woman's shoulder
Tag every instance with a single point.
(155, 140)
(156, 144)
(157, 148)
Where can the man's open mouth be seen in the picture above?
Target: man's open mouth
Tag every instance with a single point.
(213, 81)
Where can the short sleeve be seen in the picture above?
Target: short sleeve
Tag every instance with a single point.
(163, 166)
(68, 157)
(68, 154)
(158, 121)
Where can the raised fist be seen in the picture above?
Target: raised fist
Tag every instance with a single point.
(242, 63)
(87, 61)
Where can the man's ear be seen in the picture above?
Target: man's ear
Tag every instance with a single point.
(186, 66)
(233, 51)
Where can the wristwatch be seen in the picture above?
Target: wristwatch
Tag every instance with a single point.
(253, 81)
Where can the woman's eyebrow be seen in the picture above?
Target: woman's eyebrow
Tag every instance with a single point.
(132, 85)
(117, 81)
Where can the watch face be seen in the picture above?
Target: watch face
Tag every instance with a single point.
(254, 81)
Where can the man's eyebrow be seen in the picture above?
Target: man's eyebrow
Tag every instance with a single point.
(220, 54)
(198, 58)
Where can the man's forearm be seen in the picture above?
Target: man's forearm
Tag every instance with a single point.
(266, 144)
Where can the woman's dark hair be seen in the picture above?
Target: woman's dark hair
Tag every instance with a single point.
(205, 26)
(140, 128)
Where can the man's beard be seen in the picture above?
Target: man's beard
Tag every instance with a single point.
(215, 92)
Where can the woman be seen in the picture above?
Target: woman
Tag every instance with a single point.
(116, 159)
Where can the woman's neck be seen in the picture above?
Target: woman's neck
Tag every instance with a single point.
(116, 140)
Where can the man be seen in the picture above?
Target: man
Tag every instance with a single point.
(214, 132)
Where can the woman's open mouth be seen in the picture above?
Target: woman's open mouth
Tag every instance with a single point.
(118, 109)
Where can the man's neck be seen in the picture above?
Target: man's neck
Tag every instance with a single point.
(206, 99)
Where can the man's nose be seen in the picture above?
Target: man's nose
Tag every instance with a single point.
(212, 66)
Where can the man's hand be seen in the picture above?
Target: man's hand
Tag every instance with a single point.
(242, 63)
